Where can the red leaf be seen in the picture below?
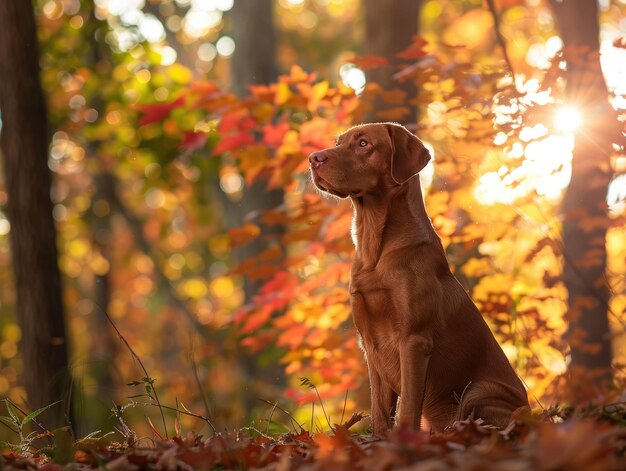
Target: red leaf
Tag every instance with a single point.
(238, 119)
(256, 320)
(415, 50)
(154, 112)
(242, 138)
(192, 140)
(620, 42)
(273, 134)
(370, 62)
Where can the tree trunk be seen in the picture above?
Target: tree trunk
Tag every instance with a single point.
(105, 342)
(254, 62)
(254, 59)
(584, 205)
(389, 29)
(24, 144)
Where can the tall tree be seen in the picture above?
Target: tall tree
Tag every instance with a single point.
(254, 62)
(584, 206)
(24, 143)
(390, 26)
(254, 59)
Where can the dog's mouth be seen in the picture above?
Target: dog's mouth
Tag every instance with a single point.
(323, 185)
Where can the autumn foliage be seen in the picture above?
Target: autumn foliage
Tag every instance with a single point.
(149, 157)
(499, 230)
(586, 440)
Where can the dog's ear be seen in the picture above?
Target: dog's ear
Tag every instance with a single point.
(408, 154)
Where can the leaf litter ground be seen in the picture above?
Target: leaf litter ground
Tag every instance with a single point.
(557, 439)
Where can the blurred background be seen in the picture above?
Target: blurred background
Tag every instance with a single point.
(179, 135)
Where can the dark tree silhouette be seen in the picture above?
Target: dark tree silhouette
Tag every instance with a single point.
(584, 206)
(24, 143)
(389, 29)
(254, 62)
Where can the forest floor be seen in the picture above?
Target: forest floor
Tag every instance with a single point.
(556, 439)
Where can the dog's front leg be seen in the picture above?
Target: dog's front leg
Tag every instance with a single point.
(415, 353)
(384, 402)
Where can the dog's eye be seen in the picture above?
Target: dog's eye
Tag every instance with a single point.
(363, 143)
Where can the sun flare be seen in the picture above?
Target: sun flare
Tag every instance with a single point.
(567, 119)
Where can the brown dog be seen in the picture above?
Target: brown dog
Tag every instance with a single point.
(424, 339)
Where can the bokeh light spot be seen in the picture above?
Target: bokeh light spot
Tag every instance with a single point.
(5, 226)
(207, 52)
(222, 287)
(353, 77)
(225, 46)
(231, 183)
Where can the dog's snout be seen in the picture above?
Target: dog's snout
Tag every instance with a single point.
(317, 158)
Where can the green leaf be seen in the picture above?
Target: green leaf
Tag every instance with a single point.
(35, 413)
(12, 412)
(9, 421)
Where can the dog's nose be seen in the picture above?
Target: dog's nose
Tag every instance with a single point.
(317, 158)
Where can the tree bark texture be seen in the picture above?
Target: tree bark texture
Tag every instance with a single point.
(254, 59)
(389, 29)
(24, 144)
(584, 207)
(254, 62)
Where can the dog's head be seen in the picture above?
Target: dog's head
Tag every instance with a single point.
(368, 157)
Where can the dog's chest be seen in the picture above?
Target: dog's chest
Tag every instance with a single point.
(372, 307)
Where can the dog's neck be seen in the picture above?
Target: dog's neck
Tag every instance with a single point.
(373, 219)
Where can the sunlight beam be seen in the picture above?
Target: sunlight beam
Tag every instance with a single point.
(567, 119)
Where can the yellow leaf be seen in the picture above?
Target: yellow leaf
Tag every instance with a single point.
(476, 267)
(179, 73)
(283, 93)
(252, 159)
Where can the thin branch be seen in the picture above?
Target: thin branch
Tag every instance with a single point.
(345, 402)
(183, 410)
(491, 5)
(136, 227)
(143, 368)
(293, 420)
(194, 369)
(269, 419)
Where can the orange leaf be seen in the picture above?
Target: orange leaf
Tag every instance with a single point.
(316, 132)
(273, 133)
(263, 92)
(252, 159)
(244, 234)
(270, 254)
(297, 75)
(340, 227)
(203, 87)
